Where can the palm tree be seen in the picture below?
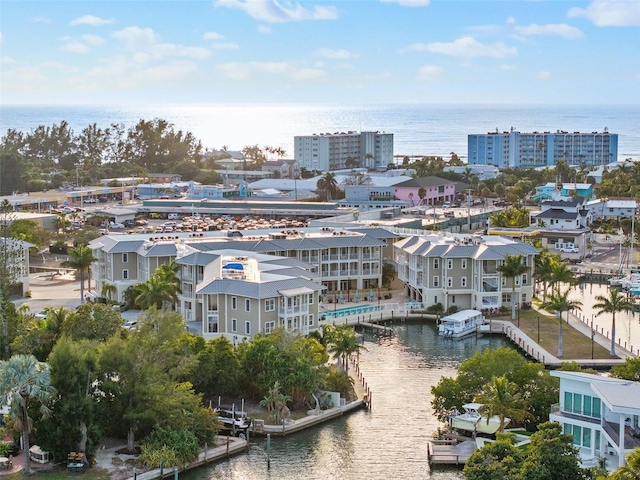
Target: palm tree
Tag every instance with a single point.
(561, 273)
(501, 398)
(544, 270)
(411, 198)
(559, 302)
(23, 381)
(275, 401)
(107, 290)
(631, 471)
(344, 343)
(155, 292)
(513, 268)
(615, 302)
(422, 192)
(327, 186)
(80, 259)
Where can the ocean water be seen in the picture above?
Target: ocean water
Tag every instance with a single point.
(418, 129)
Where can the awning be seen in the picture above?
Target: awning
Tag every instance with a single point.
(295, 291)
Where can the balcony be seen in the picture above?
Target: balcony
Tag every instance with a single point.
(293, 310)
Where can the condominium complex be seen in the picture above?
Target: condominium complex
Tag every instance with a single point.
(311, 259)
(335, 151)
(462, 270)
(539, 149)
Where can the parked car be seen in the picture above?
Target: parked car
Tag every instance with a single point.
(90, 200)
(570, 250)
(103, 199)
(130, 324)
(115, 225)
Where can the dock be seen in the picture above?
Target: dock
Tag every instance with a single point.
(450, 453)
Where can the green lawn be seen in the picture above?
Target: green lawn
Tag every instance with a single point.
(88, 474)
(575, 344)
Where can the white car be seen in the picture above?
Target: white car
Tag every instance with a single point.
(570, 250)
(90, 200)
(130, 324)
(115, 225)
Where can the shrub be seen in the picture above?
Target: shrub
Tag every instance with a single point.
(171, 447)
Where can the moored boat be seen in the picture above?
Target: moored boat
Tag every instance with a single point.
(233, 422)
(472, 421)
(460, 323)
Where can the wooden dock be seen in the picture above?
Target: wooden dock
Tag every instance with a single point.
(448, 453)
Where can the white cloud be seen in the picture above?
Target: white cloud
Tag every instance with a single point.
(42, 19)
(637, 76)
(225, 46)
(510, 20)
(465, 47)
(264, 29)
(409, 3)
(507, 66)
(90, 20)
(1, 37)
(144, 42)
(212, 36)
(56, 65)
(94, 40)
(543, 75)
(341, 54)
(610, 13)
(244, 71)
(274, 11)
(553, 29)
(8, 61)
(429, 72)
(74, 46)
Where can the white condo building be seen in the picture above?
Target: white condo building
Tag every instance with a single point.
(331, 151)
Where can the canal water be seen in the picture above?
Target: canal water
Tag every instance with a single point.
(390, 441)
(627, 323)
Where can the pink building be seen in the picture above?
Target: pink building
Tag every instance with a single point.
(437, 190)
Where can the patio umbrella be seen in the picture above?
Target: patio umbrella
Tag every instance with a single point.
(356, 295)
(371, 295)
(341, 297)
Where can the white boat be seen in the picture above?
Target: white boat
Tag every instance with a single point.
(472, 421)
(460, 323)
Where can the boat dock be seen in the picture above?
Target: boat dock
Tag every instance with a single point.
(450, 452)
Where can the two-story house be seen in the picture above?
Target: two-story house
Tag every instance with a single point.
(239, 294)
(601, 413)
(462, 270)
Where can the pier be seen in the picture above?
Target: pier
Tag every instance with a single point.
(450, 452)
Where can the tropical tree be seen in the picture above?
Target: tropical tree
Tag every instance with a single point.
(422, 193)
(631, 471)
(275, 401)
(544, 270)
(344, 343)
(561, 273)
(388, 274)
(614, 303)
(23, 382)
(107, 290)
(155, 292)
(559, 302)
(513, 267)
(80, 259)
(327, 186)
(502, 398)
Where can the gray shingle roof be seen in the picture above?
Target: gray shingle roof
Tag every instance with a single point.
(268, 289)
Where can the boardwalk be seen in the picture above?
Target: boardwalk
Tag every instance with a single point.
(450, 454)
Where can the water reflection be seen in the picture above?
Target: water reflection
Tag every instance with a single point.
(627, 323)
(388, 442)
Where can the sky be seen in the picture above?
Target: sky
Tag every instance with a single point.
(337, 52)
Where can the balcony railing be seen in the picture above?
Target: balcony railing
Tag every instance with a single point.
(297, 309)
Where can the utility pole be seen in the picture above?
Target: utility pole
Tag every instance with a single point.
(469, 209)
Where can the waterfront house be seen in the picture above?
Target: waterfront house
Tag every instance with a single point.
(462, 270)
(601, 413)
(238, 294)
(437, 190)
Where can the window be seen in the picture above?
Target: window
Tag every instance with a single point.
(463, 282)
(463, 264)
(436, 263)
(234, 324)
(435, 281)
(268, 327)
(247, 327)
(582, 404)
(524, 279)
(310, 320)
(125, 258)
(449, 282)
(125, 274)
(234, 303)
(247, 305)
(449, 264)
(270, 305)
(311, 299)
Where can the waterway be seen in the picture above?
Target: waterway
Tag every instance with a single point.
(387, 442)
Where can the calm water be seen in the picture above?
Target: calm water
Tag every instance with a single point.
(387, 442)
(417, 129)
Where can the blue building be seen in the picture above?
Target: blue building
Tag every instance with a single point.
(541, 149)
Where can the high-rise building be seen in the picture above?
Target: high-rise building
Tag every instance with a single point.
(539, 149)
(339, 150)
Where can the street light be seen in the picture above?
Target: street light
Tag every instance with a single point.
(518, 310)
(592, 335)
(538, 320)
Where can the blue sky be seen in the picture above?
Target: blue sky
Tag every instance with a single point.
(322, 52)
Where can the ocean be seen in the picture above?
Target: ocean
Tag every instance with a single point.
(419, 130)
